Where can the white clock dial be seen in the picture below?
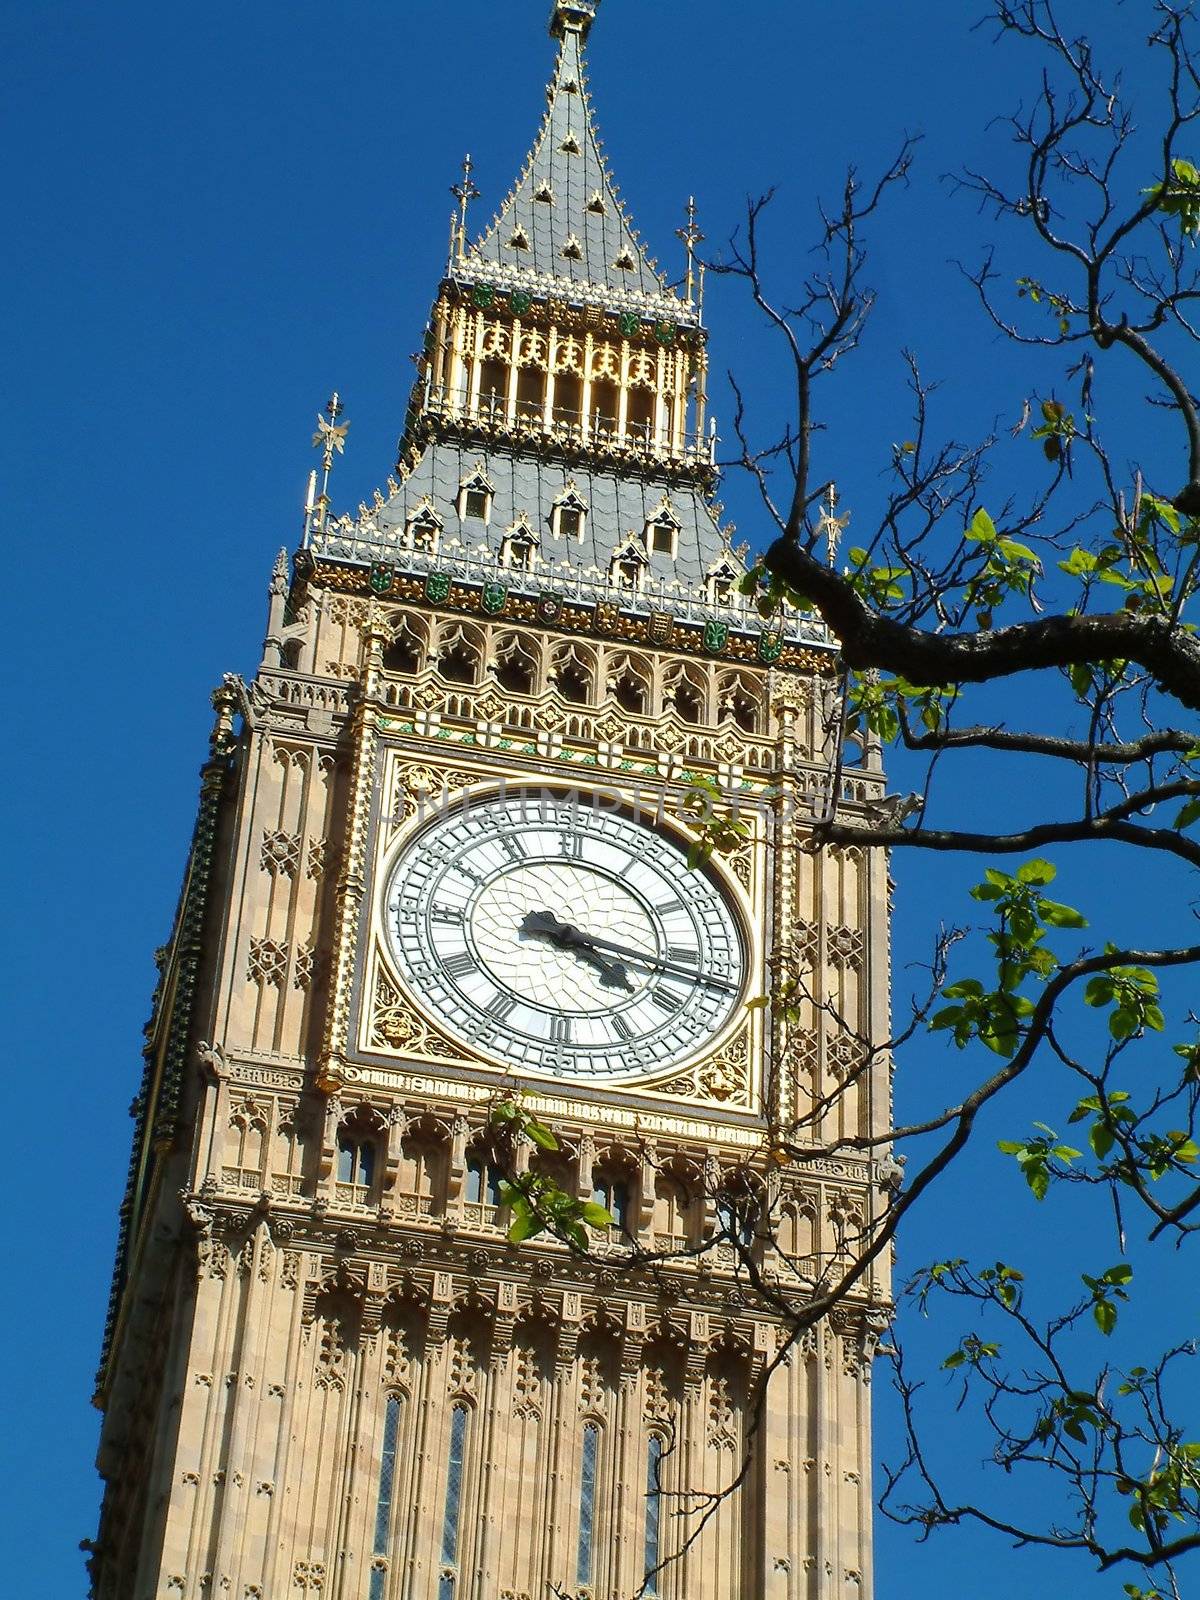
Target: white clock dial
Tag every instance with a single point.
(564, 937)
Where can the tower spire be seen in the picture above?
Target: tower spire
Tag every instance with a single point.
(573, 15)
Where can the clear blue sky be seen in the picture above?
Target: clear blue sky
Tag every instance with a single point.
(215, 215)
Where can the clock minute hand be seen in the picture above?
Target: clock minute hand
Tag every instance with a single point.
(548, 925)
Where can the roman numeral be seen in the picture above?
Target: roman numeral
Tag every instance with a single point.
(512, 847)
(560, 1030)
(500, 1005)
(682, 952)
(665, 1000)
(458, 966)
(620, 1026)
(572, 846)
(449, 914)
(466, 872)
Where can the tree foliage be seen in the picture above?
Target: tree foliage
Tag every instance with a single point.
(1029, 599)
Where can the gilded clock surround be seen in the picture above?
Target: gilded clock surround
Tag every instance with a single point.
(318, 1326)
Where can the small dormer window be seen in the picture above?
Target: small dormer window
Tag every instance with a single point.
(570, 145)
(545, 194)
(519, 240)
(629, 566)
(569, 515)
(424, 531)
(475, 499)
(596, 204)
(721, 583)
(625, 261)
(572, 250)
(518, 549)
(570, 86)
(662, 531)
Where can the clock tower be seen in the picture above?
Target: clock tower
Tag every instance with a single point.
(448, 929)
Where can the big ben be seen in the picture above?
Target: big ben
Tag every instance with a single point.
(449, 860)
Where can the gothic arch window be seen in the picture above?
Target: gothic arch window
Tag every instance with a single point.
(405, 651)
(687, 693)
(247, 1144)
(569, 516)
(676, 1211)
(573, 674)
(519, 547)
(629, 684)
(358, 1160)
(585, 1560)
(516, 665)
(605, 408)
(452, 1512)
(739, 1206)
(383, 1503)
(485, 1178)
(423, 531)
(460, 657)
(287, 1162)
(531, 393)
(422, 1177)
(568, 398)
(557, 1167)
(739, 699)
(656, 1449)
(493, 388)
(475, 499)
(662, 530)
(639, 419)
(614, 1187)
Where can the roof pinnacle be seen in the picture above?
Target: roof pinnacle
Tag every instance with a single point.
(573, 15)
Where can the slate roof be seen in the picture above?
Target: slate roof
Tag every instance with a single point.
(528, 486)
(581, 233)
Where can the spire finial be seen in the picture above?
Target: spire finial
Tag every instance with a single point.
(573, 16)
(330, 437)
(464, 193)
(691, 236)
(830, 525)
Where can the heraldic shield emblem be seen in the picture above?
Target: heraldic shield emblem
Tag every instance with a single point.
(437, 586)
(383, 575)
(494, 596)
(715, 635)
(770, 646)
(549, 608)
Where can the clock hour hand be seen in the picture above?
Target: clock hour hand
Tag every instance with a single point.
(545, 925)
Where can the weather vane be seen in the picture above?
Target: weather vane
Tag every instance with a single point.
(691, 236)
(330, 439)
(464, 193)
(831, 526)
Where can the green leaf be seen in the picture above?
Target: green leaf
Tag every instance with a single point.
(1037, 872)
(1188, 815)
(541, 1135)
(1105, 1314)
(596, 1216)
(982, 527)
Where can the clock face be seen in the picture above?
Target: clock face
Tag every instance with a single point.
(562, 937)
